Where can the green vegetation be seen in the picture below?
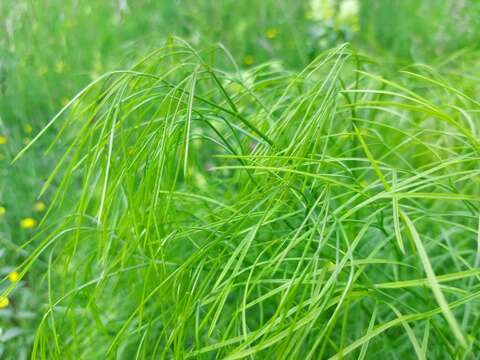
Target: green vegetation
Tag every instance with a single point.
(255, 189)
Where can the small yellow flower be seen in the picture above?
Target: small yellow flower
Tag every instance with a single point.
(60, 66)
(271, 33)
(27, 128)
(39, 206)
(248, 60)
(4, 302)
(2, 211)
(28, 223)
(3, 139)
(13, 277)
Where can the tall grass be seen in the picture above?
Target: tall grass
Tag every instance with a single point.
(46, 56)
(264, 213)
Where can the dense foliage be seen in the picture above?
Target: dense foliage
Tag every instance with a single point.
(281, 194)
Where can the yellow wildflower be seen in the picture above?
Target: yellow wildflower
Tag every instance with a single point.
(2, 211)
(3, 139)
(271, 33)
(27, 128)
(13, 277)
(4, 302)
(28, 223)
(39, 206)
(248, 60)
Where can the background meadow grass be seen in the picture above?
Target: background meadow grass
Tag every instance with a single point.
(242, 192)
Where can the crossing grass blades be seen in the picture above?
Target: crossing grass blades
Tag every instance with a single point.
(214, 212)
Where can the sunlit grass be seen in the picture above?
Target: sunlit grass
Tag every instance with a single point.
(209, 212)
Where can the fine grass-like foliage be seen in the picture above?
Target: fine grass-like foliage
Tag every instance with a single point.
(420, 29)
(222, 213)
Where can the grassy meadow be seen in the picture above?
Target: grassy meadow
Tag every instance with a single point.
(240, 179)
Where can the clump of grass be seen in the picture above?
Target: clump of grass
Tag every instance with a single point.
(222, 213)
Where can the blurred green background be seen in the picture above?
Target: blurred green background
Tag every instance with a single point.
(50, 49)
